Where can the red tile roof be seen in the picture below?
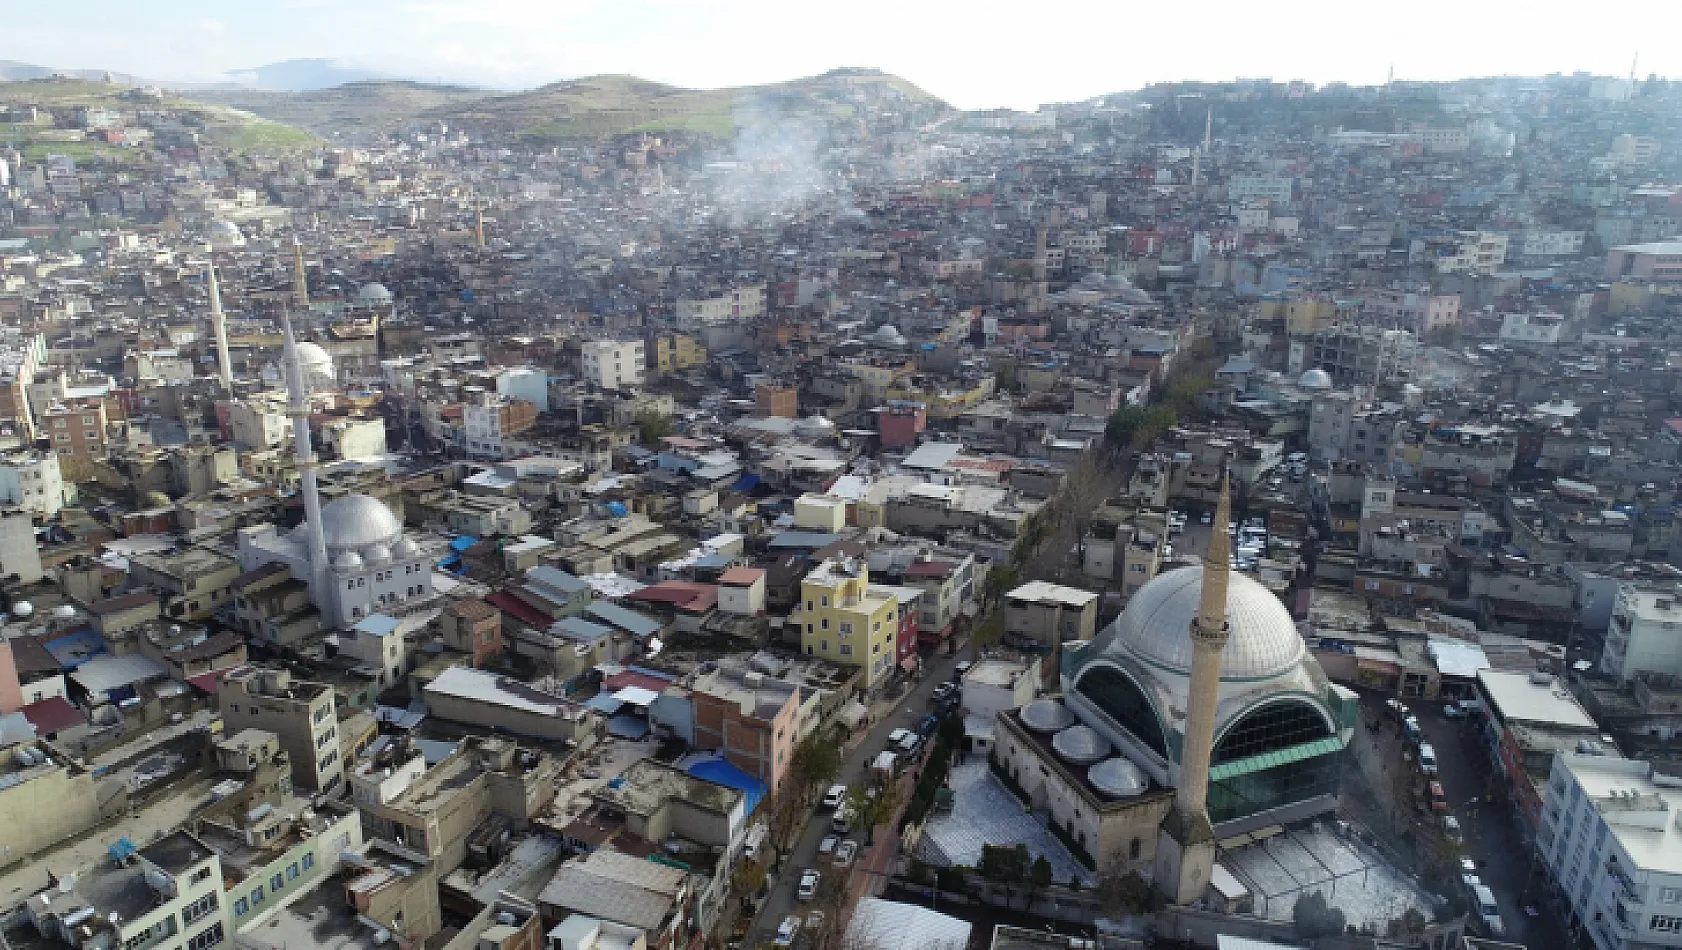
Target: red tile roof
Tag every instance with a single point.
(519, 609)
(930, 569)
(741, 576)
(53, 714)
(683, 595)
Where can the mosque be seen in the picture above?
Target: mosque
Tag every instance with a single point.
(1197, 716)
(353, 554)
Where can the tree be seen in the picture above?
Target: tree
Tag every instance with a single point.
(74, 468)
(652, 427)
(1000, 578)
(1038, 879)
(872, 805)
(1313, 917)
(1004, 864)
(815, 762)
(1124, 892)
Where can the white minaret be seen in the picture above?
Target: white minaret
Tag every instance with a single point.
(1186, 846)
(219, 324)
(298, 407)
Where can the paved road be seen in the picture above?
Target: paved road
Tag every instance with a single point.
(910, 708)
(1492, 831)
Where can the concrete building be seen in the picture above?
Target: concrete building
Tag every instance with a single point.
(32, 481)
(613, 364)
(1656, 262)
(844, 621)
(1535, 329)
(769, 400)
(1610, 843)
(47, 798)
(527, 384)
(1046, 614)
(741, 591)
(473, 627)
(18, 552)
(754, 719)
(300, 714)
(169, 890)
(1644, 634)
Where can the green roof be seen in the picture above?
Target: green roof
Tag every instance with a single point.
(1268, 760)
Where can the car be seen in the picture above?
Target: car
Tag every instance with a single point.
(959, 670)
(828, 844)
(842, 823)
(832, 799)
(814, 922)
(1439, 801)
(1205, 518)
(1469, 873)
(903, 741)
(1484, 898)
(1453, 711)
(1427, 759)
(786, 931)
(1167, 551)
(808, 888)
(945, 693)
(1451, 829)
(1396, 708)
(1410, 728)
(928, 725)
(844, 853)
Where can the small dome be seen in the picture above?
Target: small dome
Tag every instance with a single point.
(1315, 378)
(404, 547)
(1080, 745)
(373, 293)
(377, 554)
(315, 359)
(1046, 716)
(348, 561)
(1117, 778)
(357, 521)
(224, 234)
(23, 609)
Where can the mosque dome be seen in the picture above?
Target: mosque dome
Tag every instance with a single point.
(1080, 744)
(1046, 715)
(377, 554)
(358, 521)
(1155, 629)
(1117, 778)
(888, 335)
(348, 561)
(403, 547)
(374, 293)
(225, 234)
(1315, 378)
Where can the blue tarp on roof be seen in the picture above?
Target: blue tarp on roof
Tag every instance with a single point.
(617, 509)
(720, 772)
(748, 482)
(463, 543)
(74, 649)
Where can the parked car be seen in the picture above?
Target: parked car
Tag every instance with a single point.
(1484, 898)
(1396, 708)
(1439, 801)
(928, 725)
(833, 798)
(1427, 759)
(1410, 728)
(1205, 518)
(808, 885)
(959, 670)
(786, 931)
(1453, 711)
(814, 923)
(1469, 874)
(844, 853)
(1451, 829)
(842, 823)
(828, 844)
(898, 738)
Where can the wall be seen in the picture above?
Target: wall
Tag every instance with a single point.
(54, 805)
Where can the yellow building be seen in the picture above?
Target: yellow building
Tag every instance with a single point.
(676, 352)
(844, 621)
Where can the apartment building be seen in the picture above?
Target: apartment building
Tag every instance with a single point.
(740, 303)
(490, 419)
(1656, 262)
(844, 621)
(32, 481)
(259, 422)
(675, 352)
(752, 718)
(1610, 841)
(1645, 632)
(76, 430)
(613, 364)
(168, 893)
(191, 583)
(300, 713)
(1046, 614)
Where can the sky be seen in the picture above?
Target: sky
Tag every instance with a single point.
(978, 54)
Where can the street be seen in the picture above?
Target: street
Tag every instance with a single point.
(1492, 837)
(910, 708)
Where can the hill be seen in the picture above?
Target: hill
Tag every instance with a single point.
(219, 126)
(598, 106)
(352, 111)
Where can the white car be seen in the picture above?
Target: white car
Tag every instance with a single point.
(808, 885)
(786, 931)
(832, 798)
(828, 844)
(844, 853)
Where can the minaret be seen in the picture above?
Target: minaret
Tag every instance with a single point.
(219, 325)
(1186, 851)
(298, 407)
(300, 280)
(479, 226)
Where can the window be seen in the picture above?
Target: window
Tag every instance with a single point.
(241, 906)
(1665, 924)
(1269, 728)
(277, 882)
(1117, 697)
(209, 937)
(199, 875)
(824, 623)
(1133, 850)
(257, 895)
(195, 911)
(824, 600)
(846, 649)
(1670, 895)
(309, 861)
(846, 629)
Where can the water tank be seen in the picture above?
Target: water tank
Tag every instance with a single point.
(23, 609)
